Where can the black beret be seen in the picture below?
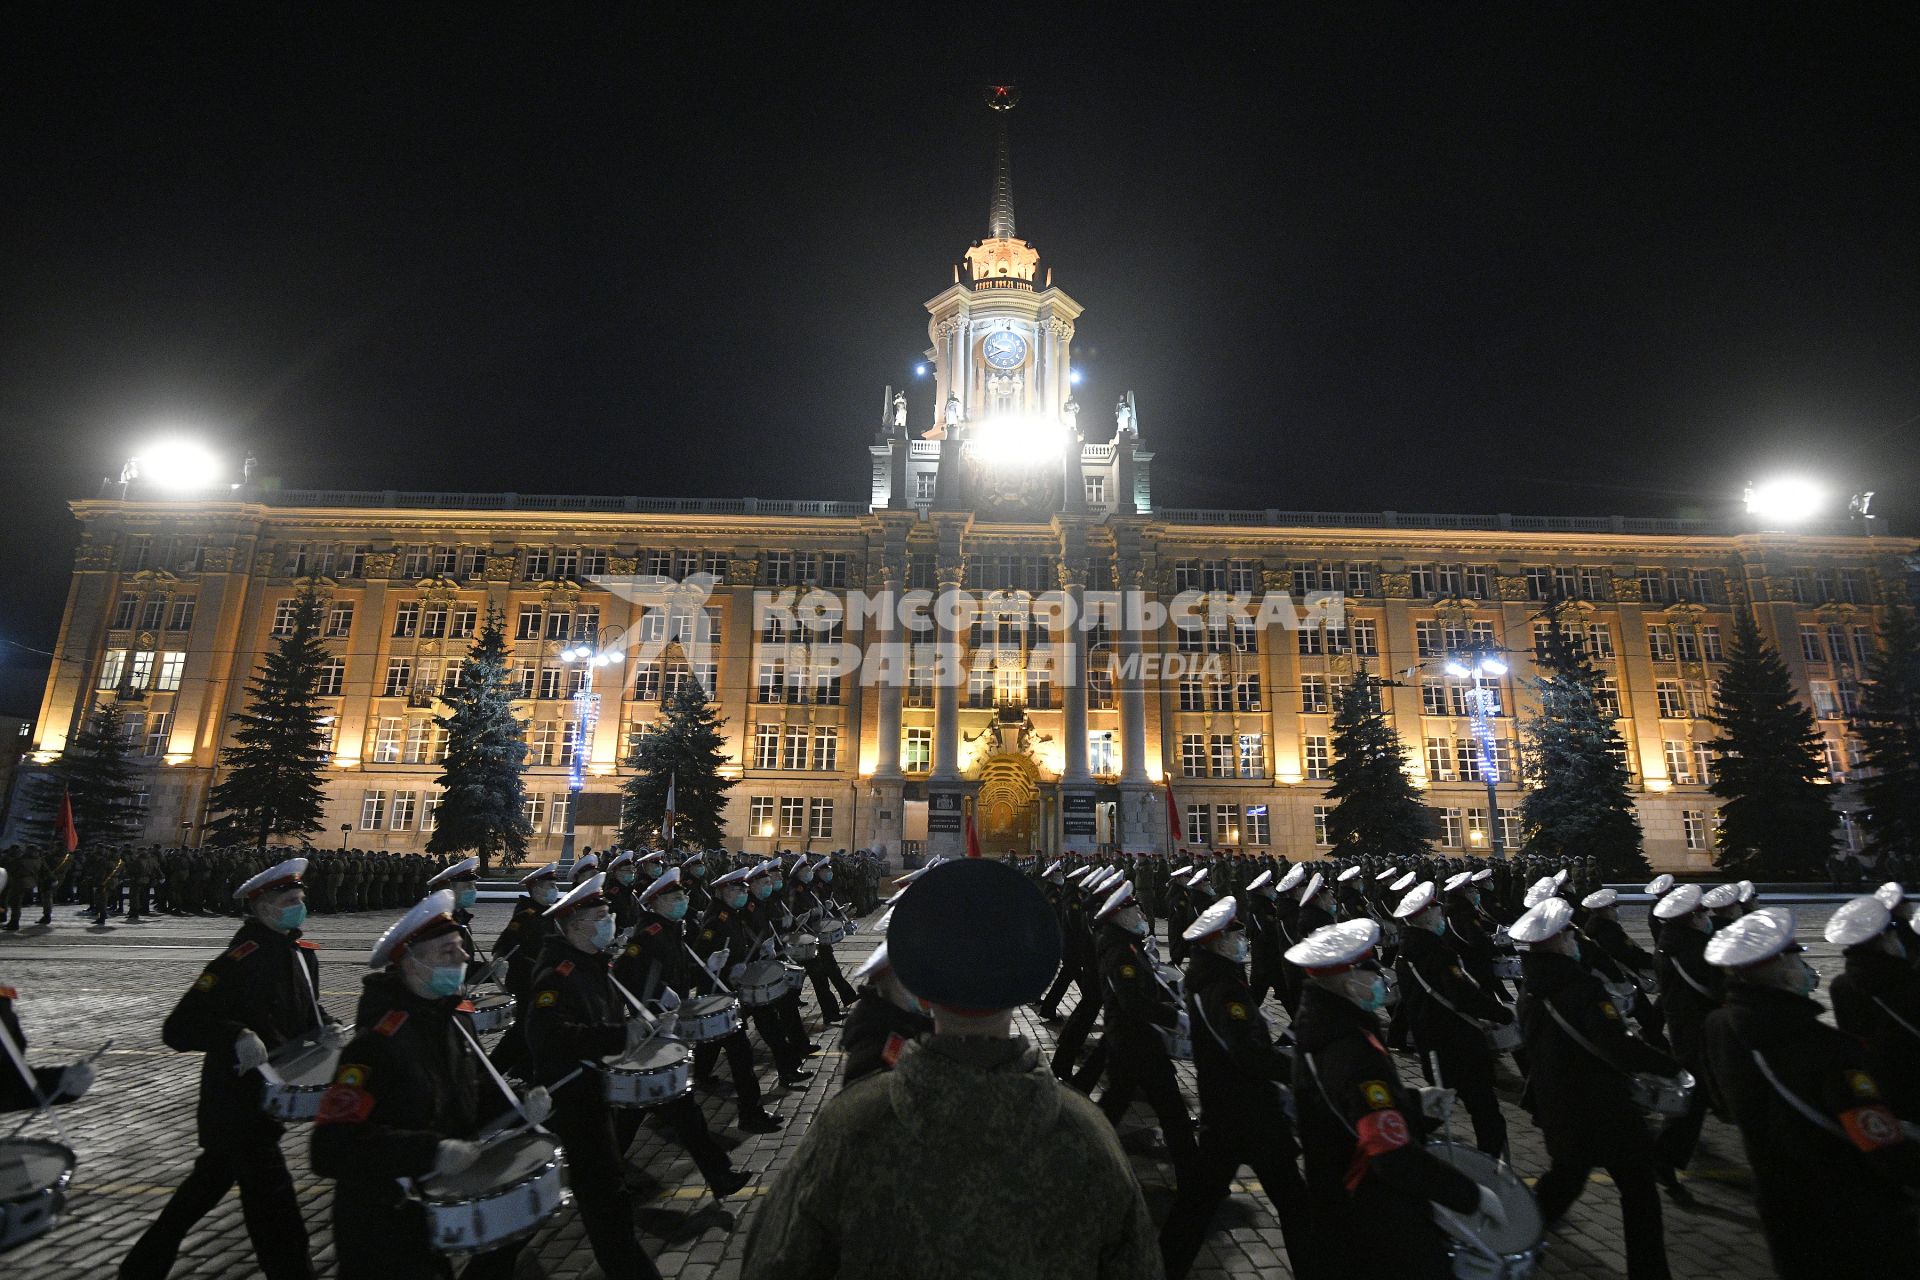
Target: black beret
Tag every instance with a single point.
(974, 934)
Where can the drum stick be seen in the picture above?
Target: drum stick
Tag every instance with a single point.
(512, 1097)
(40, 1104)
(695, 955)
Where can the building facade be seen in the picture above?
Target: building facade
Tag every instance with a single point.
(1006, 498)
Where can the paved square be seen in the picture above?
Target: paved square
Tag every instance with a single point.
(134, 1133)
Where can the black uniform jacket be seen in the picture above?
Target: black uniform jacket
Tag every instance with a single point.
(1610, 936)
(1690, 989)
(877, 1031)
(1135, 1000)
(1827, 1184)
(1877, 1000)
(656, 957)
(1579, 1099)
(575, 1015)
(1240, 1071)
(15, 1093)
(1441, 1001)
(1467, 931)
(406, 1081)
(521, 942)
(255, 985)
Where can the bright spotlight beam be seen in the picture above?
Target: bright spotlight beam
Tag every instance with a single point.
(1014, 441)
(179, 464)
(1786, 499)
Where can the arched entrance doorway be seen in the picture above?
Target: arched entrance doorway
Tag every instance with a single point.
(1005, 806)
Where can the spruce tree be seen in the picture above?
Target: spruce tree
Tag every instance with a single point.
(688, 749)
(1378, 811)
(95, 770)
(1768, 767)
(482, 808)
(1889, 727)
(278, 759)
(1578, 805)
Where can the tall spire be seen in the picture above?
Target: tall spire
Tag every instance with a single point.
(1002, 98)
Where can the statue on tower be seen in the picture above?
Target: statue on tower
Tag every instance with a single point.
(953, 411)
(900, 410)
(1123, 416)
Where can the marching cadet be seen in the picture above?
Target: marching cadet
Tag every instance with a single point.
(519, 946)
(694, 875)
(725, 941)
(260, 994)
(1244, 1093)
(407, 1102)
(1077, 940)
(1286, 914)
(1179, 911)
(830, 986)
(585, 867)
(1446, 1014)
(1373, 1187)
(1581, 1061)
(656, 964)
(768, 918)
(462, 879)
(1829, 1158)
(1657, 888)
(1264, 938)
(1467, 932)
(575, 1014)
(46, 1086)
(1139, 1009)
(1053, 887)
(622, 872)
(882, 1021)
(1877, 999)
(1608, 949)
(1690, 989)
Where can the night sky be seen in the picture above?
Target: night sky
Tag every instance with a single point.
(1582, 259)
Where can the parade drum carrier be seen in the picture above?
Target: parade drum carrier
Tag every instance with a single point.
(1503, 1037)
(33, 1187)
(492, 1009)
(1668, 1096)
(764, 982)
(504, 1196)
(707, 1018)
(1507, 966)
(1483, 1250)
(802, 947)
(296, 1075)
(832, 931)
(1179, 1046)
(658, 1073)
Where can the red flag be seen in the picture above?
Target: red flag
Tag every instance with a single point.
(666, 819)
(68, 833)
(1173, 821)
(973, 839)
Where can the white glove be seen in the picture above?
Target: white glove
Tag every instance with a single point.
(495, 971)
(638, 1030)
(453, 1155)
(1436, 1103)
(248, 1051)
(335, 1036)
(1492, 1208)
(76, 1080)
(735, 974)
(786, 920)
(1183, 1024)
(669, 999)
(537, 1105)
(716, 962)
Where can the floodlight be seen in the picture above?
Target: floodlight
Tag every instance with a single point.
(1493, 666)
(1073, 376)
(1786, 499)
(1457, 668)
(178, 464)
(1014, 441)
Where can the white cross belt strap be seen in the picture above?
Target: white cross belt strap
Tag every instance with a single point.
(1798, 1103)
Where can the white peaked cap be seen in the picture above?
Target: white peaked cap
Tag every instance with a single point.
(1418, 899)
(1050, 870)
(873, 964)
(586, 862)
(1659, 884)
(1348, 874)
(1197, 879)
(1404, 883)
(1389, 874)
(668, 879)
(1459, 880)
(1721, 895)
(1120, 898)
(1599, 899)
(1539, 891)
(1748, 890)
(1858, 921)
(461, 870)
(1333, 945)
(280, 875)
(433, 912)
(1076, 873)
(1755, 937)
(619, 859)
(1181, 870)
(549, 872)
(1295, 874)
(1543, 921)
(1211, 921)
(736, 876)
(1260, 881)
(1314, 885)
(880, 925)
(1482, 875)
(1890, 895)
(584, 894)
(1560, 877)
(1681, 901)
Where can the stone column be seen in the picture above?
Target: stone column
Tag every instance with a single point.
(946, 834)
(1078, 832)
(887, 632)
(1141, 810)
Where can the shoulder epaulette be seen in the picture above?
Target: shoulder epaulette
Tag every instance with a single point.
(8, 993)
(465, 1006)
(653, 928)
(394, 1020)
(564, 968)
(302, 942)
(242, 951)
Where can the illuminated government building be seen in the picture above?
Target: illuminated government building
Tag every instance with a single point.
(1011, 488)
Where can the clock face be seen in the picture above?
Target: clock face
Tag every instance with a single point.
(1004, 350)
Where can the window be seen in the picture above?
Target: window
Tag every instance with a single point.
(167, 678)
(1199, 828)
(433, 623)
(1539, 583)
(406, 618)
(795, 756)
(760, 815)
(1359, 579)
(373, 810)
(1253, 755)
(129, 607)
(1100, 754)
(1316, 754)
(1226, 823)
(1825, 707)
(460, 624)
(820, 819)
(793, 817)
(1243, 575)
(1253, 825)
(1193, 755)
(181, 616)
(430, 811)
(534, 809)
(1246, 693)
(1693, 825)
(527, 623)
(1313, 694)
(386, 740)
(1426, 639)
(473, 562)
(1606, 696)
(399, 678)
(569, 742)
(1220, 748)
(1660, 643)
(157, 726)
(404, 804)
(1365, 636)
(333, 673)
(545, 739)
(1679, 756)
(1863, 649)
(1321, 812)
(340, 619)
(1672, 706)
(826, 749)
(646, 683)
(282, 618)
(1810, 648)
(151, 611)
(539, 565)
(1451, 831)
(1703, 761)
(1312, 640)
(1425, 580)
(916, 750)
(419, 741)
(1440, 759)
(1686, 645)
(1191, 696)
(923, 487)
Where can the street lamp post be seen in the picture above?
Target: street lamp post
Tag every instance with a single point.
(600, 651)
(1481, 706)
(346, 830)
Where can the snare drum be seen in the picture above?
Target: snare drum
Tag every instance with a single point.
(33, 1187)
(707, 1018)
(1507, 967)
(832, 931)
(492, 1009)
(1479, 1248)
(659, 1073)
(802, 947)
(1667, 1096)
(1179, 1045)
(296, 1075)
(504, 1196)
(764, 982)
(1502, 1037)
(1170, 978)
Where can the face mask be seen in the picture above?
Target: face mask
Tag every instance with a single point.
(1136, 926)
(826, 876)
(602, 933)
(445, 980)
(696, 869)
(804, 877)
(291, 918)
(675, 910)
(1238, 949)
(1368, 990)
(737, 899)
(625, 875)
(1439, 927)
(1808, 979)
(545, 894)
(763, 891)
(465, 897)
